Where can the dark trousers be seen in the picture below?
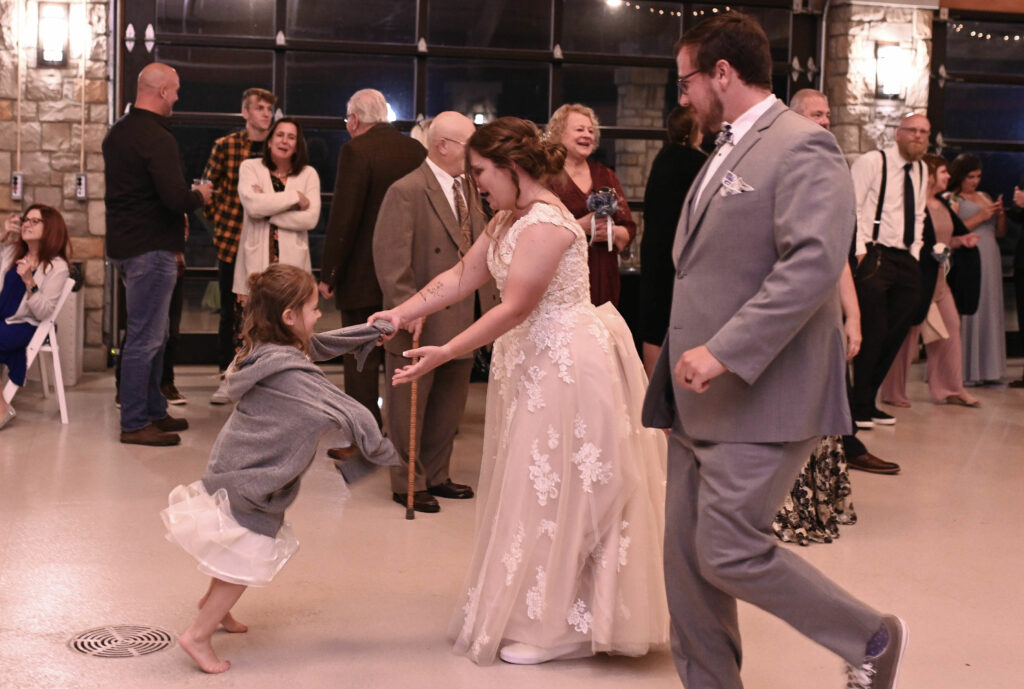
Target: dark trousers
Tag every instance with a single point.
(1018, 283)
(173, 336)
(228, 326)
(363, 386)
(888, 285)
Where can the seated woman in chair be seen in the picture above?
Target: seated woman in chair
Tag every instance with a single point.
(33, 268)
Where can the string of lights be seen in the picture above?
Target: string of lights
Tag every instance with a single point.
(986, 36)
(639, 7)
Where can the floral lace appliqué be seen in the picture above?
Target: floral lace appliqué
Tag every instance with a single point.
(532, 386)
(535, 596)
(547, 527)
(545, 480)
(514, 556)
(552, 437)
(579, 617)
(579, 428)
(624, 542)
(592, 470)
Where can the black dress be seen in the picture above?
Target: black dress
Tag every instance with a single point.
(672, 172)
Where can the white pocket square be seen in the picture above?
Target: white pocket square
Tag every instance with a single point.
(733, 184)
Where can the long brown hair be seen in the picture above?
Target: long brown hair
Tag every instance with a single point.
(511, 141)
(276, 289)
(963, 165)
(54, 243)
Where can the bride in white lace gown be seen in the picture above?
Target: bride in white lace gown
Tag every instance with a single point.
(567, 559)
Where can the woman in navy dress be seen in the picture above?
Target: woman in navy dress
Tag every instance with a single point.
(33, 269)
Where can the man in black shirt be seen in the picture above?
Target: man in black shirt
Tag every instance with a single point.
(147, 198)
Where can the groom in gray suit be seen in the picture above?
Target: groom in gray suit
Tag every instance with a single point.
(751, 373)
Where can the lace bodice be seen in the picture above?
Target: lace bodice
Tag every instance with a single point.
(570, 287)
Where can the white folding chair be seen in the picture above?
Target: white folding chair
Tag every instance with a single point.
(45, 340)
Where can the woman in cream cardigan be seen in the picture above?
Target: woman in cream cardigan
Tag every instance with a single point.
(33, 268)
(280, 194)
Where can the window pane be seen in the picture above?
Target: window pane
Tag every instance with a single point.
(524, 24)
(984, 111)
(216, 17)
(485, 90)
(380, 21)
(213, 79)
(201, 302)
(630, 28)
(322, 83)
(985, 47)
(774, 21)
(621, 96)
(324, 146)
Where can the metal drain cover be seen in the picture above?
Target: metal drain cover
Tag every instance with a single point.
(121, 641)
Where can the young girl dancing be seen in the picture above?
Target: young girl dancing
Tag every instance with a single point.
(232, 521)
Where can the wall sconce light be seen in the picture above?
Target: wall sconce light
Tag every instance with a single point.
(892, 67)
(53, 34)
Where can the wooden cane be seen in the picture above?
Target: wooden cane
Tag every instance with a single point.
(410, 513)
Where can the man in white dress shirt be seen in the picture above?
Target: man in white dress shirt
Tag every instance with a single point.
(888, 243)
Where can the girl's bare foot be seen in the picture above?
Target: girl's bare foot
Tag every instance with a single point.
(232, 625)
(202, 653)
(229, 623)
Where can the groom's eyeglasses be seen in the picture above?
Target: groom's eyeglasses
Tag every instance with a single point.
(681, 82)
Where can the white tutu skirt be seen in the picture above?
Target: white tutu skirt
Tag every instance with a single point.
(203, 525)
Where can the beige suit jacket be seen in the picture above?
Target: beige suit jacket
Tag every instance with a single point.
(416, 238)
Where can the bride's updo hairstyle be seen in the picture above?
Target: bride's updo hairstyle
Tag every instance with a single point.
(511, 141)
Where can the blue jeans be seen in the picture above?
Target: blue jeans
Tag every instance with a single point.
(149, 282)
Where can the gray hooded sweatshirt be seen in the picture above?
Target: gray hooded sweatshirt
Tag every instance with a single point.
(285, 404)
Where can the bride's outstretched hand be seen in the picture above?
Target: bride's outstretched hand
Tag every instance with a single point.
(429, 359)
(391, 317)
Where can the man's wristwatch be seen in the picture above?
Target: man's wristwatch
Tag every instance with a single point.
(34, 289)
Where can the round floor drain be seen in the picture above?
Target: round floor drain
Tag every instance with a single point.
(121, 641)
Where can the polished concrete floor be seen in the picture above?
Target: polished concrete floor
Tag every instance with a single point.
(366, 600)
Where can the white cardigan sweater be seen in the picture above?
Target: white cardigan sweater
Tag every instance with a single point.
(39, 306)
(262, 209)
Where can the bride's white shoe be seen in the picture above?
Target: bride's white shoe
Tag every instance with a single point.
(525, 654)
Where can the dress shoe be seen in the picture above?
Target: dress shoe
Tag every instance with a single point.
(876, 465)
(169, 424)
(882, 419)
(881, 671)
(149, 435)
(451, 490)
(1019, 383)
(8, 417)
(422, 501)
(220, 395)
(525, 654)
(171, 393)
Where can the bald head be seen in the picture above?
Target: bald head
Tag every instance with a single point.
(446, 141)
(813, 105)
(912, 136)
(157, 89)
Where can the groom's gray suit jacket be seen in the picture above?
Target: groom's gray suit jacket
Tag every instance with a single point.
(757, 282)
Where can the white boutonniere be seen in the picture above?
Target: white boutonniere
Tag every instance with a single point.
(733, 184)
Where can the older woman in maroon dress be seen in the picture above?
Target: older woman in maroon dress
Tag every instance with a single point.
(575, 126)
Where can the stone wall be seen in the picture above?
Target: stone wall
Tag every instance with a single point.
(861, 121)
(641, 104)
(51, 137)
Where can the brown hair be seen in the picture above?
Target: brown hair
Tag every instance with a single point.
(54, 243)
(259, 95)
(963, 165)
(681, 126)
(300, 158)
(560, 117)
(934, 162)
(736, 38)
(276, 289)
(511, 141)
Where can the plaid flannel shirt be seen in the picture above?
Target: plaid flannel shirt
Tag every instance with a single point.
(225, 208)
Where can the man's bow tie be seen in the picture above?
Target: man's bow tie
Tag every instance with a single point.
(724, 136)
